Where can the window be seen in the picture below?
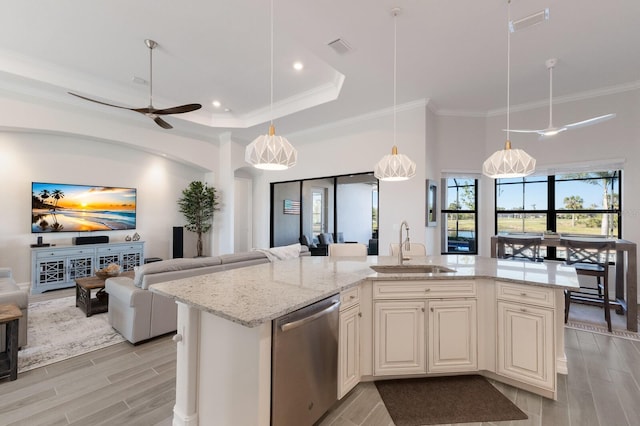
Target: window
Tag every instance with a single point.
(585, 203)
(521, 204)
(459, 215)
(345, 206)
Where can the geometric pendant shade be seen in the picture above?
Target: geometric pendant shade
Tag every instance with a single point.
(395, 167)
(509, 163)
(271, 152)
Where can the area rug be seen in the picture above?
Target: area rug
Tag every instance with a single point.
(58, 330)
(444, 400)
(591, 318)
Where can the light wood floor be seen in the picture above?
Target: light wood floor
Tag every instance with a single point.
(135, 385)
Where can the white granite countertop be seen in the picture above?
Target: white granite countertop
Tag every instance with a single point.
(256, 294)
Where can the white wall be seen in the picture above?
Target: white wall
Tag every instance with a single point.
(618, 138)
(117, 154)
(27, 157)
(355, 148)
(465, 142)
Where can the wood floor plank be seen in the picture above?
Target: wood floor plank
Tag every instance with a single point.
(577, 377)
(582, 410)
(358, 411)
(628, 392)
(554, 413)
(608, 406)
(135, 385)
(379, 416)
(529, 403)
(113, 393)
(16, 400)
(101, 412)
(152, 411)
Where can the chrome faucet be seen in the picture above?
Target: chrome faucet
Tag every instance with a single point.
(402, 243)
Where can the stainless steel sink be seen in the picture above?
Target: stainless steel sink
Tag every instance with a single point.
(411, 269)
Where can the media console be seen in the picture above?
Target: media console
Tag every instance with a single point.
(58, 267)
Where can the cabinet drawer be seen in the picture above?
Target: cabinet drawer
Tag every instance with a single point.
(349, 298)
(62, 253)
(423, 289)
(526, 294)
(109, 250)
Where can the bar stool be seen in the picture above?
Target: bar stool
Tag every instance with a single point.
(590, 258)
(519, 248)
(347, 249)
(9, 316)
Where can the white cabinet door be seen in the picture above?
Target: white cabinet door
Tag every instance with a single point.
(349, 350)
(399, 337)
(453, 336)
(526, 344)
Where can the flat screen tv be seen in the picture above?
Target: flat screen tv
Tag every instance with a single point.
(61, 207)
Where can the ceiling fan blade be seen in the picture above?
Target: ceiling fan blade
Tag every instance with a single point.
(590, 121)
(160, 122)
(551, 132)
(178, 109)
(99, 102)
(523, 131)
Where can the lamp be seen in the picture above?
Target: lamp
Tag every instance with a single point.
(394, 166)
(271, 152)
(508, 163)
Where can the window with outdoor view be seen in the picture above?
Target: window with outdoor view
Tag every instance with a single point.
(459, 215)
(585, 203)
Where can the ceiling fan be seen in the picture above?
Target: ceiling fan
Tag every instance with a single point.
(552, 130)
(150, 111)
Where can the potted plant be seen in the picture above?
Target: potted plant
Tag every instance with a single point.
(198, 204)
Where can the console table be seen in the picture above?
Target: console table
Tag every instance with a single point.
(626, 274)
(59, 266)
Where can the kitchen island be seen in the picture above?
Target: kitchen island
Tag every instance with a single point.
(224, 323)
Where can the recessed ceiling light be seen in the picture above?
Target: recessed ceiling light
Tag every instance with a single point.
(227, 110)
(298, 66)
(216, 104)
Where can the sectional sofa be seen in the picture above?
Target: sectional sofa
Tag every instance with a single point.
(139, 314)
(10, 292)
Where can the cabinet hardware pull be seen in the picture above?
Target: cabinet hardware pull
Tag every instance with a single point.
(431, 309)
(422, 309)
(352, 297)
(523, 294)
(177, 338)
(523, 309)
(360, 314)
(427, 290)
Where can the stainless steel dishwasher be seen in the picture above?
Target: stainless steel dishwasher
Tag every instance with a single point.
(304, 364)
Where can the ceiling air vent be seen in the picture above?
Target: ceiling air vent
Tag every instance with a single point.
(529, 21)
(340, 46)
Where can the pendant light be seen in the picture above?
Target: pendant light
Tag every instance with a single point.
(271, 152)
(394, 166)
(508, 162)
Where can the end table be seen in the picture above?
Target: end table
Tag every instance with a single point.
(9, 315)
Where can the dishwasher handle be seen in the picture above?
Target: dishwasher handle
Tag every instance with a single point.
(299, 323)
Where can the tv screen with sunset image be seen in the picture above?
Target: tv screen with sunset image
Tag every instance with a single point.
(59, 207)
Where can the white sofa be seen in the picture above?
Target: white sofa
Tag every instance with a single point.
(10, 292)
(139, 314)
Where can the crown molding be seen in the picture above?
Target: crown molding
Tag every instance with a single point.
(590, 94)
(420, 103)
